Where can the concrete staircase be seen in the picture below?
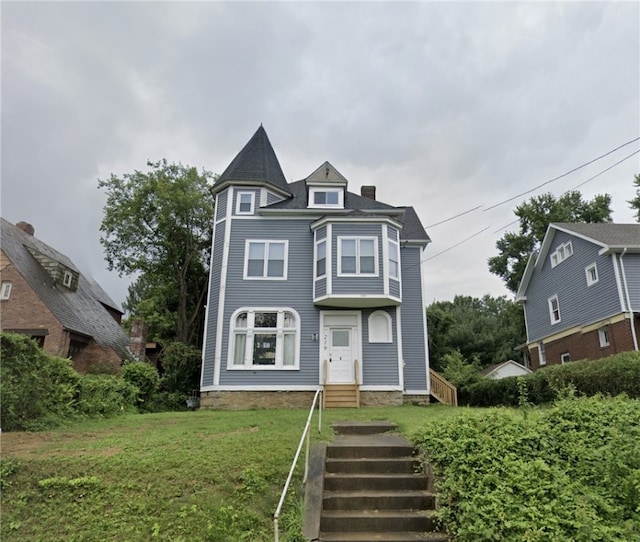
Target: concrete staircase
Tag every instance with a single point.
(371, 489)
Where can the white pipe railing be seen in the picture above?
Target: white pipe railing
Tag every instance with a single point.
(305, 433)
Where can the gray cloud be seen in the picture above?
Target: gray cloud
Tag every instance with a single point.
(444, 106)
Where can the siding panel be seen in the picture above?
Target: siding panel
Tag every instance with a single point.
(379, 360)
(221, 204)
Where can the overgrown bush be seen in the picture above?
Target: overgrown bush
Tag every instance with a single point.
(610, 376)
(36, 388)
(181, 365)
(104, 395)
(143, 376)
(570, 473)
(460, 373)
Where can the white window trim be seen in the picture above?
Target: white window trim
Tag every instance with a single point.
(389, 331)
(239, 195)
(552, 312)
(542, 355)
(266, 242)
(315, 258)
(587, 271)
(356, 238)
(603, 337)
(397, 245)
(251, 330)
(565, 357)
(314, 191)
(67, 279)
(561, 253)
(5, 293)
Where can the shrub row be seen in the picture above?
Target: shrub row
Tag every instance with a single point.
(567, 473)
(609, 376)
(40, 391)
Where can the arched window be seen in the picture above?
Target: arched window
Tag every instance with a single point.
(380, 327)
(264, 339)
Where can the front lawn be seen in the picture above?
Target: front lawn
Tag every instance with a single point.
(190, 476)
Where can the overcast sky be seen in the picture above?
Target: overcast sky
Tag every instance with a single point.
(443, 106)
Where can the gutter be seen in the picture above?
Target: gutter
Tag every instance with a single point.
(628, 300)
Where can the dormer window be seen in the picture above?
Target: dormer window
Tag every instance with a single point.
(326, 198)
(67, 278)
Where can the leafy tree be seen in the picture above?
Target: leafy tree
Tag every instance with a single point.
(635, 202)
(535, 216)
(484, 329)
(157, 225)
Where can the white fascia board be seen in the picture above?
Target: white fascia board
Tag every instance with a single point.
(375, 220)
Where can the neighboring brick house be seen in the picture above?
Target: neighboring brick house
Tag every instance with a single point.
(43, 295)
(581, 293)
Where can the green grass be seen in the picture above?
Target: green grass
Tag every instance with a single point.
(193, 476)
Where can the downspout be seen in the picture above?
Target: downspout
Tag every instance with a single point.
(628, 299)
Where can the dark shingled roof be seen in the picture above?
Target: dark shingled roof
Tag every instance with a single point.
(80, 311)
(256, 162)
(413, 229)
(612, 235)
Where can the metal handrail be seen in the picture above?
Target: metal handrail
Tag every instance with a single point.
(305, 433)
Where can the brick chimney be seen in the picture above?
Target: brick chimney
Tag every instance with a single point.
(26, 227)
(138, 339)
(368, 191)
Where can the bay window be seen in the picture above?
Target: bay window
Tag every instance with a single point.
(358, 256)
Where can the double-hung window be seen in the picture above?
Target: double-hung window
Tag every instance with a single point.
(244, 203)
(394, 260)
(592, 274)
(321, 258)
(266, 259)
(358, 256)
(264, 339)
(554, 309)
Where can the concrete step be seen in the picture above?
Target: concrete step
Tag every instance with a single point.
(383, 537)
(363, 428)
(350, 521)
(374, 465)
(388, 500)
(374, 482)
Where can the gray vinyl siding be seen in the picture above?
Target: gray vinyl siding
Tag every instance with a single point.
(631, 264)
(273, 198)
(413, 321)
(295, 292)
(256, 199)
(379, 360)
(321, 287)
(321, 233)
(356, 284)
(579, 303)
(394, 288)
(221, 204)
(392, 233)
(212, 305)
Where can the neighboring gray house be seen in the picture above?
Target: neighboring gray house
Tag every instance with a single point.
(581, 293)
(311, 287)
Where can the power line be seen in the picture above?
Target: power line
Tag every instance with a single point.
(452, 217)
(563, 175)
(456, 245)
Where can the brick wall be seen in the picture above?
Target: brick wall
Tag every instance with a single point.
(587, 345)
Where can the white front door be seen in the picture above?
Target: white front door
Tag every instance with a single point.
(341, 370)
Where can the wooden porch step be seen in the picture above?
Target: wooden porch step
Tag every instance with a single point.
(341, 396)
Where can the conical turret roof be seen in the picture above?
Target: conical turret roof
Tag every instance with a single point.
(256, 163)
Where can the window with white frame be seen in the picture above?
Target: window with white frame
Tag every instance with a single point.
(326, 197)
(264, 339)
(542, 356)
(554, 309)
(266, 260)
(561, 253)
(321, 258)
(67, 278)
(5, 290)
(380, 327)
(592, 274)
(358, 256)
(603, 336)
(245, 202)
(394, 259)
(565, 358)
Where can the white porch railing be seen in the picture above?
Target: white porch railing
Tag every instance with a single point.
(305, 433)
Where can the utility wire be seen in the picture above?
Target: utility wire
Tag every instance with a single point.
(563, 175)
(456, 245)
(452, 217)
